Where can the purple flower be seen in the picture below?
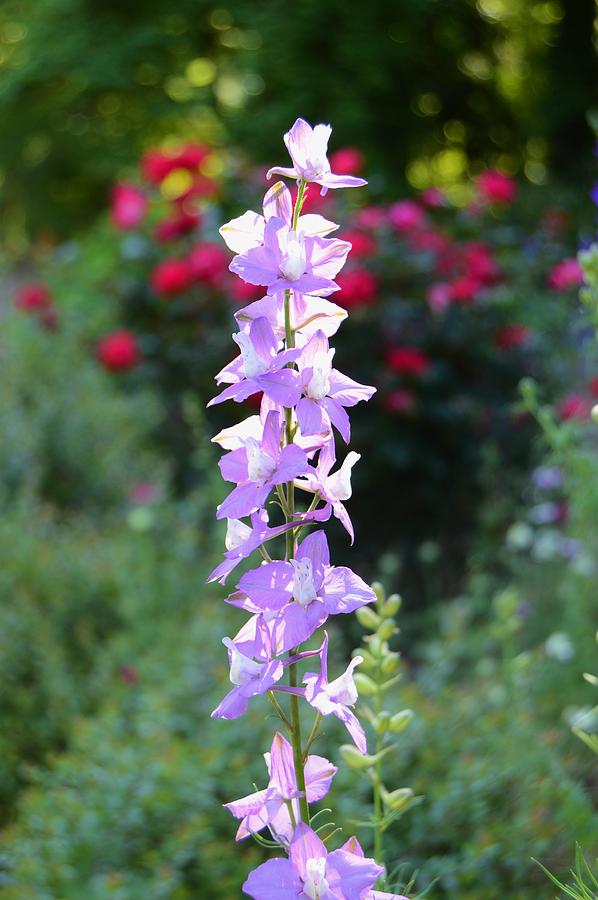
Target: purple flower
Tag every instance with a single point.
(312, 872)
(334, 489)
(252, 671)
(260, 367)
(297, 597)
(353, 846)
(257, 467)
(269, 807)
(291, 260)
(247, 231)
(307, 148)
(547, 478)
(307, 315)
(326, 391)
(335, 697)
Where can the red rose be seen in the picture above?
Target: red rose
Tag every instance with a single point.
(346, 161)
(33, 297)
(479, 262)
(496, 187)
(361, 244)
(208, 262)
(181, 222)
(400, 401)
(511, 336)
(410, 361)
(119, 351)
(129, 205)
(574, 406)
(358, 287)
(155, 166)
(464, 289)
(243, 292)
(170, 277)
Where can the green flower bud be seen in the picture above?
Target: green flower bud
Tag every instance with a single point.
(387, 630)
(401, 720)
(392, 606)
(390, 663)
(379, 591)
(367, 618)
(356, 760)
(368, 660)
(365, 685)
(381, 722)
(375, 645)
(398, 799)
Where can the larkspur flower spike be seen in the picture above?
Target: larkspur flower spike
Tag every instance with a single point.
(287, 451)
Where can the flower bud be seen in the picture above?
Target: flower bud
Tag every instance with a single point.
(356, 760)
(379, 591)
(399, 799)
(368, 660)
(390, 663)
(392, 606)
(365, 685)
(375, 645)
(367, 618)
(387, 630)
(381, 722)
(400, 720)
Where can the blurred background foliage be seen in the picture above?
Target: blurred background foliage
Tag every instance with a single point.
(428, 92)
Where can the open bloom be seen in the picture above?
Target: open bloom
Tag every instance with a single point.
(269, 807)
(129, 205)
(292, 260)
(260, 368)
(326, 391)
(335, 697)
(333, 489)
(252, 672)
(307, 148)
(257, 467)
(312, 872)
(307, 315)
(297, 597)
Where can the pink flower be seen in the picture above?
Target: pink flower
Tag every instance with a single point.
(171, 277)
(409, 361)
(400, 401)
(406, 215)
(439, 296)
(129, 206)
(118, 351)
(565, 275)
(433, 198)
(208, 262)
(496, 187)
(361, 244)
(593, 386)
(371, 217)
(346, 160)
(33, 297)
(191, 156)
(574, 406)
(358, 287)
(511, 337)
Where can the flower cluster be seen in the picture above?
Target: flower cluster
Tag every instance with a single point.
(291, 447)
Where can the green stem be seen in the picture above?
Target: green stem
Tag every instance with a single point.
(280, 711)
(378, 811)
(312, 735)
(290, 547)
